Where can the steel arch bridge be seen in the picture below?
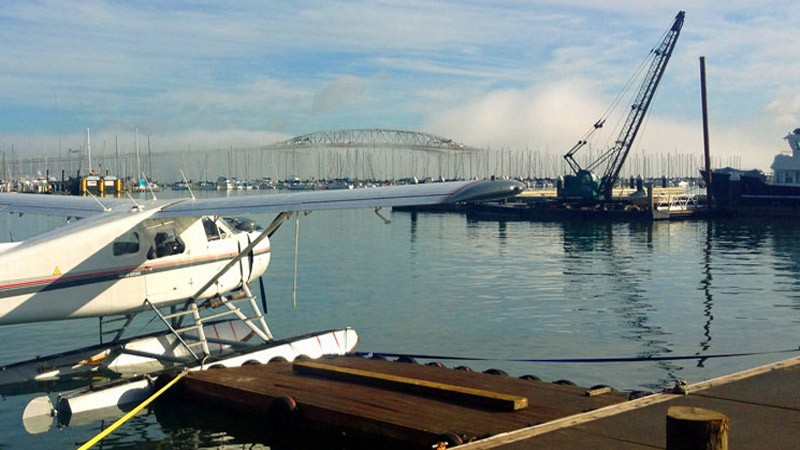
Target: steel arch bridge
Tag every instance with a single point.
(324, 151)
(373, 138)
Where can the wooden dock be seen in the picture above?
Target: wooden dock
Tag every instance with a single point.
(412, 404)
(418, 406)
(763, 405)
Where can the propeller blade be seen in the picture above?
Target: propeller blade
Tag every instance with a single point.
(263, 296)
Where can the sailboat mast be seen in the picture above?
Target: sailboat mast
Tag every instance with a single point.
(116, 155)
(89, 150)
(149, 159)
(138, 159)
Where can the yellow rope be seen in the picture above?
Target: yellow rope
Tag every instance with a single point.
(130, 414)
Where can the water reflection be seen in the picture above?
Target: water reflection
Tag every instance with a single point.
(442, 285)
(785, 239)
(413, 231)
(603, 263)
(502, 238)
(708, 304)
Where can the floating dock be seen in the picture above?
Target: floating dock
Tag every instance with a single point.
(419, 406)
(762, 404)
(413, 405)
(546, 205)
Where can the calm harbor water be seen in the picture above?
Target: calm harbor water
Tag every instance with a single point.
(441, 285)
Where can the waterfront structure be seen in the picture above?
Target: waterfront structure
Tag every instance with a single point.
(786, 168)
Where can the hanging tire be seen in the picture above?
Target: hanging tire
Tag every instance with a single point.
(251, 362)
(163, 379)
(276, 359)
(633, 395)
(530, 378)
(496, 372)
(282, 414)
(435, 364)
(378, 357)
(407, 360)
(463, 368)
(449, 438)
(564, 382)
(215, 367)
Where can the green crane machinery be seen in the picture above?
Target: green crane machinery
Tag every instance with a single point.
(584, 184)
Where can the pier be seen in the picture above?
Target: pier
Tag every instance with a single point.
(419, 406)
(652, 203)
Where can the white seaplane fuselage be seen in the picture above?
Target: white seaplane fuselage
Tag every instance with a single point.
(112, 265)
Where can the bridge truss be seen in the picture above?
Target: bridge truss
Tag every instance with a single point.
(373, 138)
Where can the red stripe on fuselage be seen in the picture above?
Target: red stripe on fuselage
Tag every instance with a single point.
(146, 267)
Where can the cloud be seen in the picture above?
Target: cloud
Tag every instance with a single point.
(541, 116)
(104, 140)
(552, 117)
(340, 92)
(512, 73)
(786, 111)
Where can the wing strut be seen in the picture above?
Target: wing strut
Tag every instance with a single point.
(193, 309)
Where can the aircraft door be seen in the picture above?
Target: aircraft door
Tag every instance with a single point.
(169, 275)
(222, 245)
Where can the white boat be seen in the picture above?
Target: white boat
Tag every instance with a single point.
(225, 184)
(786, 168)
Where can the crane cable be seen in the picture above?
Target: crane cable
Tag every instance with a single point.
(130, 414)
(637, 75)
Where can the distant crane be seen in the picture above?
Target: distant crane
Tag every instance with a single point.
(585, 184)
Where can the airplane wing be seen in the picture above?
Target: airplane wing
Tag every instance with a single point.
(406, 195)
(59, 205)
(417, 194)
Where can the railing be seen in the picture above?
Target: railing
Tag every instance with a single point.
(682, 202)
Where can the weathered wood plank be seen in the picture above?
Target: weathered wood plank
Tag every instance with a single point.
(641, 422)
(419, 386)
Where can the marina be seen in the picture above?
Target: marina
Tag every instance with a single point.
(625, 294)
(587, 315)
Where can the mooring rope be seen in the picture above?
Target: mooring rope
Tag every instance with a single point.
(130, 414)
(578, 360)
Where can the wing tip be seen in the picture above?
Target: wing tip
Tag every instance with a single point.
(486, 190)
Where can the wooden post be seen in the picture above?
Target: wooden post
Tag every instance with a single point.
(706, 147)
(690, 428)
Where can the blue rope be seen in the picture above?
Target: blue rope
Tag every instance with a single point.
(577, 360)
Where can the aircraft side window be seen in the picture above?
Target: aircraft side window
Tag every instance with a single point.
(166, 243)
(212, 230)
(126, 244)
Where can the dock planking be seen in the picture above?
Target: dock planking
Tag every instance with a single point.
(417, 386)
(382, 399)
(763, 405)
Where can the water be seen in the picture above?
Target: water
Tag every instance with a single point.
(438, 284)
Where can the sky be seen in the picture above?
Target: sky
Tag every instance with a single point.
(499, 74)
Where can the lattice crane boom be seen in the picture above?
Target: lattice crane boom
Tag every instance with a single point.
(614, 157)
(622, 147)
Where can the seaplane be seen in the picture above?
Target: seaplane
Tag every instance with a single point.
(189, 263)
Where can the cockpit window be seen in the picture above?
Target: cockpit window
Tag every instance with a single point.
(126, 244)
(242, 223)
(212, 230)
(166, 242)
